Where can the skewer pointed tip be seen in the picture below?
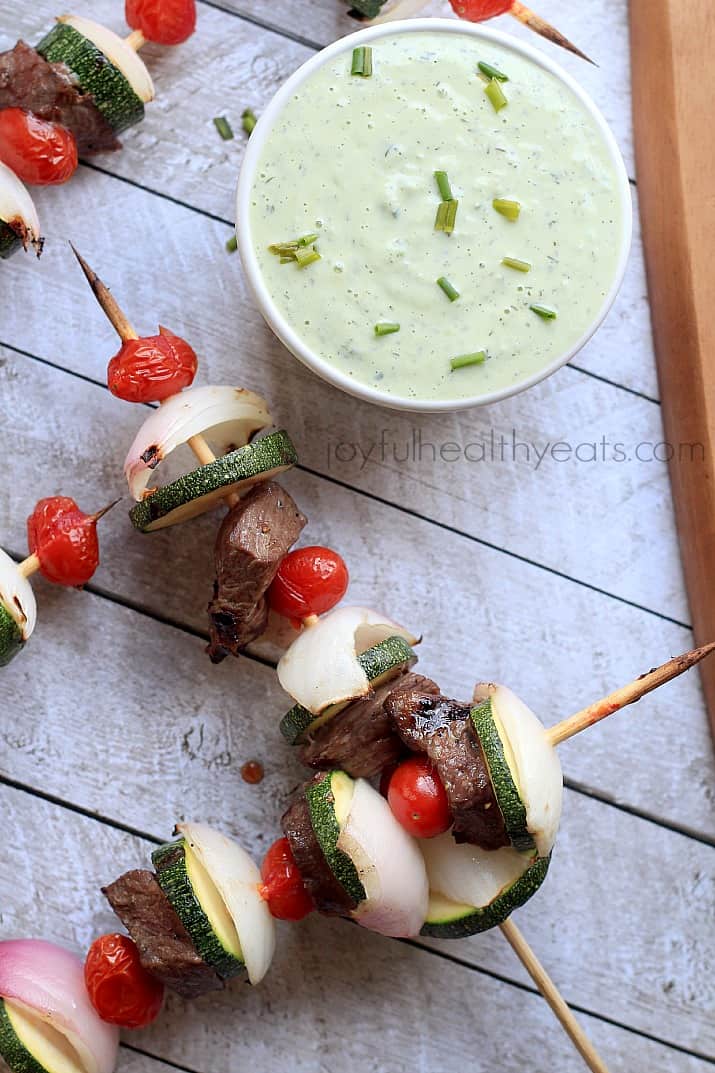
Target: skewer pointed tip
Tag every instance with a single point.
(105, 510)
(106, 300)
(540, 26)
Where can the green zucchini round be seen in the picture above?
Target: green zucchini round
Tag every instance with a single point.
(324, 796)
(11, 640)
(95, 74)
(506, 790)
(10, 241)
(203, 488)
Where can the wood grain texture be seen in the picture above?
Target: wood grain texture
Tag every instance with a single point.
(605, 521)
(330, 1001)
(483, 614)
(146, 732)
(672, 48)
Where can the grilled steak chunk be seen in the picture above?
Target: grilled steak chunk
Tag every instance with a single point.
(441, 728)
(252, 540)
(362, 739)
(328, 894)
(165, 948)
(50, 91)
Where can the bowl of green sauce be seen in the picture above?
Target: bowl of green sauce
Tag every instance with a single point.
(432, 215)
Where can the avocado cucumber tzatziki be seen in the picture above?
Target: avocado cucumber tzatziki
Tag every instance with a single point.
(433, 232)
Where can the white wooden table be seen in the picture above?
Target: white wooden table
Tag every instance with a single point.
(560, 578)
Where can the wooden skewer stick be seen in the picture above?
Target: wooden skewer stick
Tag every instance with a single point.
(125, 331)
(529, 18)
(553, 996)
(403, 9)
(135, 40)
(626, 695)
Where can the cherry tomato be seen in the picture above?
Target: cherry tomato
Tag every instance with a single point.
(64, 539)
(39, 152)
(309, 582)
(283, 884)
(418, 798)
(152, 368)
(168, 22)
(122, 991)
(479, 10)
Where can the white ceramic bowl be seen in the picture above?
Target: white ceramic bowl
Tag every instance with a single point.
(275, 319)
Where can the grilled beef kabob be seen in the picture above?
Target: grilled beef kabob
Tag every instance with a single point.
(472, 10)
(227, 428)
(71, 96)
(429, 859)
(63, 546)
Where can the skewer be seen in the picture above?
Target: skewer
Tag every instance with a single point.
(125, 331)
(629, 694)
(529, 18)
(553, 996)
(135, 40)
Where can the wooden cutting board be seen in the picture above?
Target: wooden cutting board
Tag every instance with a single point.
(672, 50)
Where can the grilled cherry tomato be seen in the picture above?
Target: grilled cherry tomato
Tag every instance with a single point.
(479, 10)
(168, 22)
(309, 582)
(283, 884)
(418, 798)
(64, 539)
(122, 991)
(152, 368)
(39, 152)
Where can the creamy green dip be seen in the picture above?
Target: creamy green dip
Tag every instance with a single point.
(353, 159)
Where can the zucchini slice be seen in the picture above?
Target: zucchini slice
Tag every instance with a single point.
(30, 1045)
(10, 241)
(502, 772)
(329, 804)
(472, 890)
(382, 662)
(203, 488)
(530, 774)
(11, 639)
(199, 907)
(103, 65)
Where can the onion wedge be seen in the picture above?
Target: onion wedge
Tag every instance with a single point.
(18, 211)
(237, 879)
(226, 416)
(46, 998)
(117, 52)
(16, 595)
(321, 666)
(534, 763)
(389, 865)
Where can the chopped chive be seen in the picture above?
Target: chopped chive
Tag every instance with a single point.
(468, 359)
(386, 328)
(510, 209)
(495, 94)
(451, 291)
(232, 244)
(286, 260)
(362, 61)
(223, 127)
(514, 262)
(446, 216)
(445, 190)
(307, 240)
(544, 312)
(492, 72)
(306, 257)
(248, 120)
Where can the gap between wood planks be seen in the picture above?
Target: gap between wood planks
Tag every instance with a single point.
(366, 494)
(412, 943)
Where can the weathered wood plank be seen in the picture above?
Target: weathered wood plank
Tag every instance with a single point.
(484, 614)
(355, 981)
(125, 716)
(229, 52)
(616, 533)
